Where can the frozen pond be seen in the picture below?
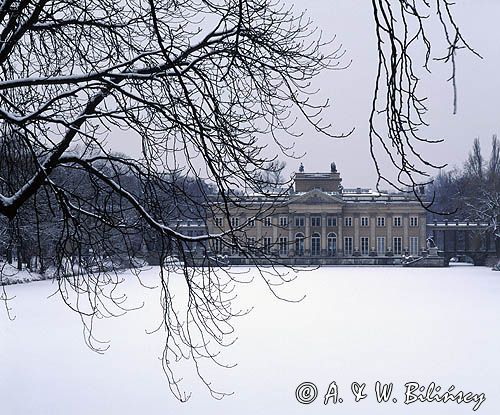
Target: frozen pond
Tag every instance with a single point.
(355, 325)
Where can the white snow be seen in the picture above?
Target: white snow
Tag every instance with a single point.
(356, 324)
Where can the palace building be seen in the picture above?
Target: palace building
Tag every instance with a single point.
(320, 222)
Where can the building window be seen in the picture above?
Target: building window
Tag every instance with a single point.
(380, 245)
(365, 245)
(316, 244)
(251, 241)
(365, 221)
(284, 221)
(219, 222)
(251, 222)
(397, 244)
(235, 222)
(331, 221)
(348, 245)
(217, 246)
(299, 244)
(299, 221)
(234, 250)
(413, 221)
(267, 245)
(348, 221)
(268, 221)
(332, 244)
(283, 245)
(316, 221)
(396, 221)
(381, 221)
(413, 245)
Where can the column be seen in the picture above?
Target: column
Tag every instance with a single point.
(356, 233)
(340, 238)
(388, 223)
(423, 232)
(307, 242)
(258, 225)
(323, 234)
(406, 241)
(373, 239)
(291, 242)
(274, 242)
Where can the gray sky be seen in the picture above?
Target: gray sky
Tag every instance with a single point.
(350, 91)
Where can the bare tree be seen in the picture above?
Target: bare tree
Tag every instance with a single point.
(473, 192)
(273, 174)
(480, 188)
(474, 167)
(493, 172)
(203, 84)
(397, 121)
(446, 187)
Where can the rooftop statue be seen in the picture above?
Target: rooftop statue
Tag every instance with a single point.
(333, 167)
(301, 168)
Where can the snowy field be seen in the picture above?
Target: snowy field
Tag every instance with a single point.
(355, 325)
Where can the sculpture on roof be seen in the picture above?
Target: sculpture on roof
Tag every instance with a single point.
(333, 167)
(301, 168)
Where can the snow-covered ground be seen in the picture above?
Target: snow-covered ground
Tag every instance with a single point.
(355, 325)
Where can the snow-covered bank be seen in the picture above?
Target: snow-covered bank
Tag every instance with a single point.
(355, 324)
(10, 275)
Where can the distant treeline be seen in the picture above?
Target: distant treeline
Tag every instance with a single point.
(471, 191)
(75, 217)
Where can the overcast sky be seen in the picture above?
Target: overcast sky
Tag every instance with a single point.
(351, 91)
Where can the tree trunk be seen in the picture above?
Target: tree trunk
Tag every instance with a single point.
(19, 257)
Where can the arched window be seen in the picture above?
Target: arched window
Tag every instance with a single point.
(332, 243)
(299, 244)
(316, 244)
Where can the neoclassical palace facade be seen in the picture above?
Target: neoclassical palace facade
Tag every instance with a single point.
(320, 219)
